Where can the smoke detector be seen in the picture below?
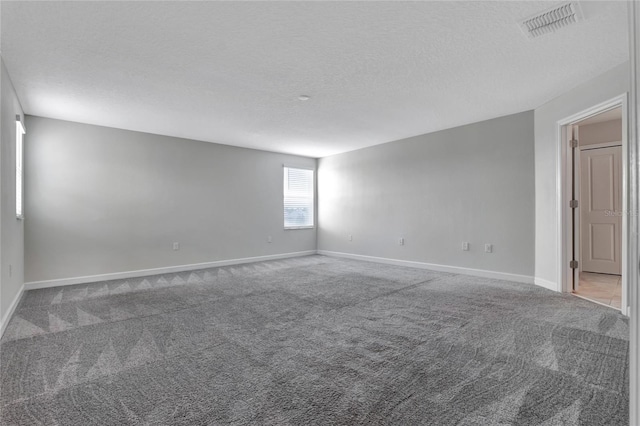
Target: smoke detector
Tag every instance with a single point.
(551, 20)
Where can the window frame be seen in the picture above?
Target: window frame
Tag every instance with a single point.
(312, 197)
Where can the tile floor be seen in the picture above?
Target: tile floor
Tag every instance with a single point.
(603, 288)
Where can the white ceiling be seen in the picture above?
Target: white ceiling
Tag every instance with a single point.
(231, 72)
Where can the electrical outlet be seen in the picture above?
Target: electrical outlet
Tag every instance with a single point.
(176, 246)
(401, 241)
(465, 246)
(488, 248)
(269, 239)
(350, 237)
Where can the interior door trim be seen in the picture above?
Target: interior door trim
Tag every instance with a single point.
(600, 145)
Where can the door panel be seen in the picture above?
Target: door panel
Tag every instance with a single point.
(601, 176)
(604, 235)
(601, 210)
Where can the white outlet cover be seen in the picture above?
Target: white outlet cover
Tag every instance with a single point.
(488, 248)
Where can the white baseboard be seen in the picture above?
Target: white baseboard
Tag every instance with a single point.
(4, 321)
(550, 285)
(33, 285)
(434, 267)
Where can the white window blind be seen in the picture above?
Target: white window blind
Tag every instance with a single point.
(298, 198)
(19, 170)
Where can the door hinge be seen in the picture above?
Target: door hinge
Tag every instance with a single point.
(573, 264)
(573, 204)
(573, 143)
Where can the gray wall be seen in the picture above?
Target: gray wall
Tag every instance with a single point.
(102, 200)
(11, 229)
(473, 183)
(602, 88)
(607, 131)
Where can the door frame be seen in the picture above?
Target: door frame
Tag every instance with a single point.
(564, 170)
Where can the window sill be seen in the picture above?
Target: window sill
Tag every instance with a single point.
(294, 228)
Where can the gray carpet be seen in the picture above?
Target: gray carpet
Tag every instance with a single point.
(312, 340)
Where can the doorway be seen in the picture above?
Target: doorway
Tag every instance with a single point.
(594, 219)
(598, 191)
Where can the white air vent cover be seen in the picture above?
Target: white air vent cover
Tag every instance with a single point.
(551, 20)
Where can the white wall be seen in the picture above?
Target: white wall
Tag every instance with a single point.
(472, 183)
(606, 131)
(11, 229)
(102, 200)
(606, 86)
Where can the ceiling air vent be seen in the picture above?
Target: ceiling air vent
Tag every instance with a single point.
(551, 20)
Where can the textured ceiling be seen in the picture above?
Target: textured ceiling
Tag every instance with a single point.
(231, 72)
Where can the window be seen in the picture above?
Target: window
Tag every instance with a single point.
(298, 198)
(19, 170)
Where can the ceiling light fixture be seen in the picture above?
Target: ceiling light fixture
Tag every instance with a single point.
(304, 97)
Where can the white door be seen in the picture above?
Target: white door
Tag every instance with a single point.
(601, 210)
